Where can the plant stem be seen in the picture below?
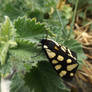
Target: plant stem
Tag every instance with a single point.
(74, 15)
(60, 20)
(76, 5)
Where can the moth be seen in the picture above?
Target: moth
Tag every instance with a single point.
(63, 60)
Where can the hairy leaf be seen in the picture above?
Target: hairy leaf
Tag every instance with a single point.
(30, 29)
(44, 79)
(7, 36)
(7, 31)
(26, 51)
(18, 84)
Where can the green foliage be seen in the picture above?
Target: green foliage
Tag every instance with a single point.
(36, 8)
(13, 8)
(7, 35)
(67, 12)
(7, 31)
(31, 30)
(84, 9)
(29, 33)
(19, 54)
(44, 79)
(18, 83)
(30, 8)
(19, 44)
(24, 45)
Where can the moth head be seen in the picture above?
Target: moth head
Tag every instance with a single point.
(43, 41)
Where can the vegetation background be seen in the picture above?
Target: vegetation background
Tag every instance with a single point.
(23, 23)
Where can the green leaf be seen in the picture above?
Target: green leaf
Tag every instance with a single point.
(29, 29)
(44, 79)
(7, 31)
(67, 11)
(30, 8)
(3, 53)
(26, 51)
(13, 8)
(18, 84)
(23, 48)
(29, 34)
(7, 35)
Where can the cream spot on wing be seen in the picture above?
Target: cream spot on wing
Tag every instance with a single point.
(70, 54)
(57, 67)
(62, 73)
(60, 58)
(50, 53)
(71, 74)
(74, 58)
(69, 60)
(63, 48)
(55, 43)
(56, 48)
(54, 61)
(71, 67)
(45, 46)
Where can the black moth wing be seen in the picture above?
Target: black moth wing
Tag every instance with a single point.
(71, 55)
(63, 60)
